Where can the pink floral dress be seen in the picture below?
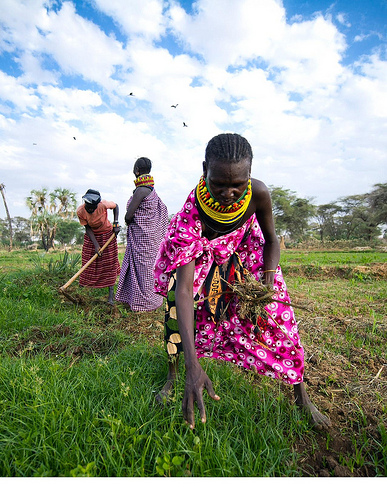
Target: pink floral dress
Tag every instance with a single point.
(270, 346)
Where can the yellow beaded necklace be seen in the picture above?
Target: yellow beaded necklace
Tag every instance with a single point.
(144, 180)
(216, 211)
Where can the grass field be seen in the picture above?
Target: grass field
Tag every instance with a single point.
(77, 381)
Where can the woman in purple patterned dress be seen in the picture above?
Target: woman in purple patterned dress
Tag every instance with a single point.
(147, 220)
(226, 227)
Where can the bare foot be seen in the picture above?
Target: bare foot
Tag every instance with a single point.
(320, 421)
(302, 400)
(164, 395)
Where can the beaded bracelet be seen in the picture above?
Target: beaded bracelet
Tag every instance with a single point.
(115, 224)
(270, 271)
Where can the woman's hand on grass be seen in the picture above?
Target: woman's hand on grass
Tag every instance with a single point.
(196, 380)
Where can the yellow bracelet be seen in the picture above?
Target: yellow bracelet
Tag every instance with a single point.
(270, 271)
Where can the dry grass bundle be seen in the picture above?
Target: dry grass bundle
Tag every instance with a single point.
(254, 296)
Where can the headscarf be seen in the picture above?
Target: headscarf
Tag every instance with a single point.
(92, 197)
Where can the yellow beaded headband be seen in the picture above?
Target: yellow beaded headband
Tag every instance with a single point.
(218, 212)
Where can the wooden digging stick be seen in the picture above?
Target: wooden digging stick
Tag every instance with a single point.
(62, 288)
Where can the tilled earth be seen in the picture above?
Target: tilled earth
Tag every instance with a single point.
(346, 377)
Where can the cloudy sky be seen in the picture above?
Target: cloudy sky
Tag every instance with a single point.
(305, 81)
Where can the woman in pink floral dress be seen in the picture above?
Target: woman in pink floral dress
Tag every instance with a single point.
(224, 230)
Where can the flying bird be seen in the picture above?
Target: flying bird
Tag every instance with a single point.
(74, 138)
(184, 124)
(174, 105)
(130, 93)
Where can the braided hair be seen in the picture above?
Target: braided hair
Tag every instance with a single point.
(144, 165)
(228, 147)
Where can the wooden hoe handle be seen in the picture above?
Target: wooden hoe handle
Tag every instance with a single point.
(87, 264)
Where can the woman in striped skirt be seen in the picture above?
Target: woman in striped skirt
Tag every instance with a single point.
(93, 214)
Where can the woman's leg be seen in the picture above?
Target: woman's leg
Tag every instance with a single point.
(173, 344)
(111, 295)
(302, 400)
(173, 364)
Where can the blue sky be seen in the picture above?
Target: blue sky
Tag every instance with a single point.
(304, 81)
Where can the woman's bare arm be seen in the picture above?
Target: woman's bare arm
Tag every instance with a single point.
(264, 214)
(139, 194)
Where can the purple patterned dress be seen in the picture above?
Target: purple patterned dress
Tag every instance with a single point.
(144, 235)
(272, 348)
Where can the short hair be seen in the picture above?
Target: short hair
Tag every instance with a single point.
(228, 147)
(144, 165)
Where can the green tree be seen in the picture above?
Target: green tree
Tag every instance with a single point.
(357, 218)
(299, 224)
(281, 200)
(327, 221)
(292, 214)
(377, 200)
(64, 202)
(48, 210)
(2, 189)
(69, 232)
(22, 233)
(20, 229)
(4, 232)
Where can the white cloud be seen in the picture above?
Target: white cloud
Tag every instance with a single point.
(309, 55)
(137, 17)
(79, 47)
(226, 32)
(316, 126)
(12, 90)
(342, 19)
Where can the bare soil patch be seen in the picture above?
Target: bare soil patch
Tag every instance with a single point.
(346, 377)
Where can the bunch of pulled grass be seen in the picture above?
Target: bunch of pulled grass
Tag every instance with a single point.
(253, 296)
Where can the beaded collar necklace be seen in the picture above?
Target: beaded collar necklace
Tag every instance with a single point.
(220, 213)
(144, 180)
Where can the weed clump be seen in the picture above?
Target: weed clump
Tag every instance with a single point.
(253, 297)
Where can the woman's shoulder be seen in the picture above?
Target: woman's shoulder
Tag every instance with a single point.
(261, 195)
(260, 190)
(142, 192)
(258, 186)
(105, 204)
(144, 189)
(81, 209)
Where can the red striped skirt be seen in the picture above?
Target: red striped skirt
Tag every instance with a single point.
(104, 270)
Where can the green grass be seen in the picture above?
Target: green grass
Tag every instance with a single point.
(331, 258)
(77, 383)
(98, 418)
(77, 396)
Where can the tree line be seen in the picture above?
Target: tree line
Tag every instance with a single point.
(361, 218)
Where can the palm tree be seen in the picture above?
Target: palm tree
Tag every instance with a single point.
(37, 201)
(67, 202)
(2, 189)
(47, 210)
